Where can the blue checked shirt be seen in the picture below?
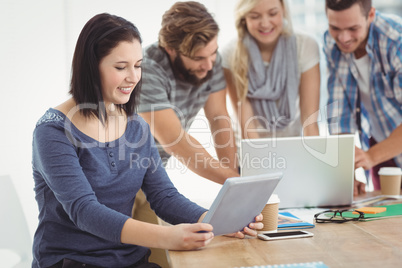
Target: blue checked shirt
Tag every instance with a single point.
(384, 47)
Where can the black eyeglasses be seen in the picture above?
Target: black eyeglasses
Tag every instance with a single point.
(338, 216)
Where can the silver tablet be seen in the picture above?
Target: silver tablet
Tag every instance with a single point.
(239, 201)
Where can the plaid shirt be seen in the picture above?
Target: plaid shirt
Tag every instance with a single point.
(384, 47)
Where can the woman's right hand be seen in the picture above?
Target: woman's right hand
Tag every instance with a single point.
(187, 236)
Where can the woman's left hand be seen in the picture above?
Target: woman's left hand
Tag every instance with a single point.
(251, 229)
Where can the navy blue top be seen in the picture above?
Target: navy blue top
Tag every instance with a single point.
(85, 191)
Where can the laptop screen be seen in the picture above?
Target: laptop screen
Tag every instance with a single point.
(317, 171)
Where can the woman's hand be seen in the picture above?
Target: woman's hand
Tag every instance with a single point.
(187, 236)
(251, 229)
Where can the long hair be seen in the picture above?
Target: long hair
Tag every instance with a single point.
(187, 27)
(99, 36)
(240, 59)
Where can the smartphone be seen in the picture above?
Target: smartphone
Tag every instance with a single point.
(284, 235)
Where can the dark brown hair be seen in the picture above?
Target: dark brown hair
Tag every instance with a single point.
(99, 36)
(187, 27)
(339, 5)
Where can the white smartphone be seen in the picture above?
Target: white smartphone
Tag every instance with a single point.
(284, 235)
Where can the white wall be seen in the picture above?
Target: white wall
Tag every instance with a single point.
(36, 47)
(33, 77)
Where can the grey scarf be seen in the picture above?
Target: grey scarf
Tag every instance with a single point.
(273, 90)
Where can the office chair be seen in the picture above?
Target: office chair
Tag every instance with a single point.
(14, 232)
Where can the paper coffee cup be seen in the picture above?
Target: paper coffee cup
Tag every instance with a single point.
(390, 180)
(270, 215)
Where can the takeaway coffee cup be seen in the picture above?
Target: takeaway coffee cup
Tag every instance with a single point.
(270, 214)
(390, 180)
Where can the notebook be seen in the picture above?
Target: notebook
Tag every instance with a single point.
(317, 171)
(239, 201)
(394, 210)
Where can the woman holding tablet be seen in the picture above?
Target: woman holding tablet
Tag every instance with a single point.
(91, 155)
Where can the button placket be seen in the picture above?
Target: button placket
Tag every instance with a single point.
(111, 156)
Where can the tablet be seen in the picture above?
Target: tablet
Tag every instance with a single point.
(239, 201)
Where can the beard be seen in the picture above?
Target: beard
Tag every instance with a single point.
(183, 74)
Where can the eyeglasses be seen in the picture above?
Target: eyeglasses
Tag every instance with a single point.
(338, 216)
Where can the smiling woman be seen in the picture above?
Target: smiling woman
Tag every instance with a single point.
(272, 72)
(120, 72)
(99, 50)
(85, 181)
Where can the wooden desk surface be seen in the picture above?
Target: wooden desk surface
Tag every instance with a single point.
(375, 243)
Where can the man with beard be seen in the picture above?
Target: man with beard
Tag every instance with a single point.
(363, 49)
(182, 74)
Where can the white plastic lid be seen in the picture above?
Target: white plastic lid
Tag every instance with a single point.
(390, 171)
(273, 199)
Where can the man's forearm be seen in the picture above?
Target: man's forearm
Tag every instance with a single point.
(388, 148)
(225, 142)
(193, 155)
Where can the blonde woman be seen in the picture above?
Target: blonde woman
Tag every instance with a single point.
(272, 73)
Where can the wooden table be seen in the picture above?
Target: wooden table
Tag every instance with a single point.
(375, 243)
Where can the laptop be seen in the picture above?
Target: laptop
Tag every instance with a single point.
(317, 171)
(239, 201)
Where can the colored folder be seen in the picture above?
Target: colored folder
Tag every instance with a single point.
(287, 220)
(392, 211)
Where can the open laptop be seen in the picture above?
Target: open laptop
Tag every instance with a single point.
(317, 171)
